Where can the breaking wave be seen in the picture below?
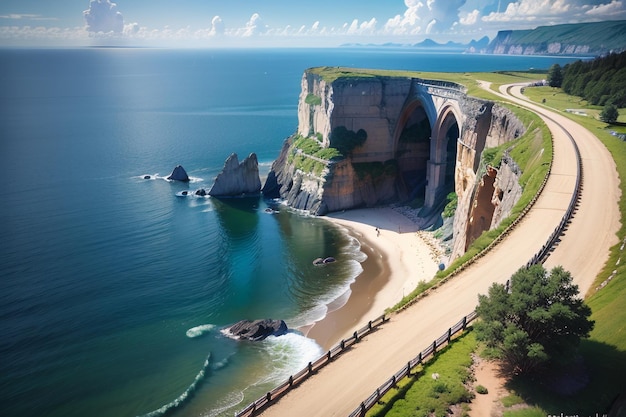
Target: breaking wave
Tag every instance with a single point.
(186, 395)
(199, 330)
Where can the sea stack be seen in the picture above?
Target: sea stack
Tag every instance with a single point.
(237, 179)
(179, 174)
(256, 330)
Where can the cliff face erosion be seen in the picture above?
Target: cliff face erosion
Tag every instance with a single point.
(402, 140)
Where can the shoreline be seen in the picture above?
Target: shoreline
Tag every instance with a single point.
(398, 258)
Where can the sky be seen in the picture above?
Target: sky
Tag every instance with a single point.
(295, 23)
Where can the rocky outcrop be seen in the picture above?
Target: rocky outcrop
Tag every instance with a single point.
(485, 204)
(236, 178)
(256, 330)
(179, 174)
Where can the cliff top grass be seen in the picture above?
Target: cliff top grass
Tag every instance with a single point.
(470, 80)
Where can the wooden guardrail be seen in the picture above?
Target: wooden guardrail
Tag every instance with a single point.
(422, 357)
(260, 404)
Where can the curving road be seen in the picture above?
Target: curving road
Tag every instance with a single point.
(339, 388)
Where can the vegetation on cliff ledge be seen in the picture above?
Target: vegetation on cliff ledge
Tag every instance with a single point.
(313, 100)
(308, 155)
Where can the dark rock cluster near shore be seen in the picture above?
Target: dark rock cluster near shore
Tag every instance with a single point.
(256, 330)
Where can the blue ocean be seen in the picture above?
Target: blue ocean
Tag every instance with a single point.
(113, 290)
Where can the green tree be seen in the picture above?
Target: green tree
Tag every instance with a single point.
(539, 320)
(555, 76)
(609, 113)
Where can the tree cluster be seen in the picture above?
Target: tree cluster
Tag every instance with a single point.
(538, 320)
(600, 81)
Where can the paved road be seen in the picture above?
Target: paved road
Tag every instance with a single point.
(584, 248)
(340, 387)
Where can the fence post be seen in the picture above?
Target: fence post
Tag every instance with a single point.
(269, 397)
(449, 334)
(356, 336)
(342, 344)
(464, 322)
(419, 358)
(408, 368)
(328, 354)
(310, 367)
(369, 325)
(434, 347)
(290, 380)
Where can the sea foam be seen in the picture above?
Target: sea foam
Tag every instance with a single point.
(289, 354)
(185, 396)
(199, 330)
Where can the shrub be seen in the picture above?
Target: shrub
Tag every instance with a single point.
(313, 100)
(450, 208)
(481, 389)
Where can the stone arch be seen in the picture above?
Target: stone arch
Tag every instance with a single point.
(411, 151)
(443, 155)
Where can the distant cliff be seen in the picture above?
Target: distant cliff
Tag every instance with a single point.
(587, 39)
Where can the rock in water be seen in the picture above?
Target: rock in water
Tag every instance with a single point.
(237, 178)
(257, 329)
(179, 174)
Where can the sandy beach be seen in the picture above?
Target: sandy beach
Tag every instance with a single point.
(399, 256)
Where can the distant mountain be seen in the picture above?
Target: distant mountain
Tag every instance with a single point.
(588, 39)
(473, 46)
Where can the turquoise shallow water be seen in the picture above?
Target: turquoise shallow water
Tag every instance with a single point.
(113, 289)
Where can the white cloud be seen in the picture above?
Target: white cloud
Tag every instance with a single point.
(430, 26)
(102, 16)
(471, 18)
(614, 8)
(26, 16)
(437, 16)
(254, 26)
(532, 13)
(530, 10)
(217, 26)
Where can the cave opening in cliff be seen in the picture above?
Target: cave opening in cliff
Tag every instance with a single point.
(412, 153)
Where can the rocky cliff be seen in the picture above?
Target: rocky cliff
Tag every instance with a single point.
(237, 179)
(424, 139)
(596, 38)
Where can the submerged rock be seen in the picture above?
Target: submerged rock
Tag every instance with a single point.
(237, 178)
(257, 330)
(179, 174)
